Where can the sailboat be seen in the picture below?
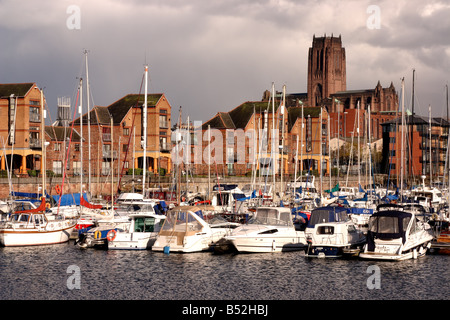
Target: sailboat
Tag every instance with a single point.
(35, 227)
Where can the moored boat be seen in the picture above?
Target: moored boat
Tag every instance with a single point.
(184, 231)
(331, 233)
(140, 234)
(396, 235)
(35, 227)
(270, 230)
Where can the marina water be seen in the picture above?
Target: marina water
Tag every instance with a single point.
(47, 273)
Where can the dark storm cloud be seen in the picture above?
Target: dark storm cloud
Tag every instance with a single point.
(210, 56)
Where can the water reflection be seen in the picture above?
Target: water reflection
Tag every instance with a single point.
(41, 273)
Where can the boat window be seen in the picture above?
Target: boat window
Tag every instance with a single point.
(325, 230)
(144, 224)
(272, 217)
(383, 224)
(222, 199)
(351, 228)
(405, 223)
(24, 217)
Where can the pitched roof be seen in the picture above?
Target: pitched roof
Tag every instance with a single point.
(98, 115)
(61, 133)
(120, 108)
(296, 112)
(241, 115)
(18, 89)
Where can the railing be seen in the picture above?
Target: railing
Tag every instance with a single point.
(164, 146)
(163, 124)
(107, 154)
(106, 137)
(35, 143)
(35, 117)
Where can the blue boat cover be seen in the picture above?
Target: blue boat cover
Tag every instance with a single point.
(69, 199)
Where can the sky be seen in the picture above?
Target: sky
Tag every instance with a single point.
(209, 56)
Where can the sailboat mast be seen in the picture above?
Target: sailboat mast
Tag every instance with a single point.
(301, 145)
(431, 158)
(320, 148)
(282, 138)
(411, 127)
(144, 124)
(80, 110)
(359, 147)
(273, 140)
(43, 158)
(402, 137)
(89, 124)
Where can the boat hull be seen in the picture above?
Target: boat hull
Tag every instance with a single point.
(18, 238)
(194, 243)
(132, 241)
(267, 244)
(411, 253)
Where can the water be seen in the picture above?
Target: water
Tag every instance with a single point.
(42, 273)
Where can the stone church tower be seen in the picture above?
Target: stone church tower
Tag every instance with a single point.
(326, 69)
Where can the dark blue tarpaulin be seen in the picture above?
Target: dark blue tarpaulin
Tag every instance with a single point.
(69, 199)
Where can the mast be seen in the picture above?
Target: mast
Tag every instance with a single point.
(320, 148)
(43, 158)
(411, 131)
(80, 110)
(431, 158)
(282, 139)
(359, 147)
(295, 168)
(301, 145)
(329, 150)
(273, 141)
(89, 124)
(134, 155)
(112, 162)
(209, 162)
(144, 123)
(402, 158)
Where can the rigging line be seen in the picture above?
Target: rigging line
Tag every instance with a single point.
(129, 138)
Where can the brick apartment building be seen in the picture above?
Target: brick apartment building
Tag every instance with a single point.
(424, 152)
(21, 127)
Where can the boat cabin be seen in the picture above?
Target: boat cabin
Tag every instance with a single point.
(388, 225)
(272, 216)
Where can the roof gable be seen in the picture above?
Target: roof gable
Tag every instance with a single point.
(18, 89)
(121, 107)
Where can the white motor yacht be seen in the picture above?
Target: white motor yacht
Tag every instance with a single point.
(331, 233)
(184, 231)
(397, 235)
(140, 234)
(270, 230)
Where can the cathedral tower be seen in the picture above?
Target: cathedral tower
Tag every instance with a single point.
(326, 69)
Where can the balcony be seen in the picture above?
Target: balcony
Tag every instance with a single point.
(107, 154)
(164, 147)
(35, 117)
(35, 143)
(163, 124)
(106, 137)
